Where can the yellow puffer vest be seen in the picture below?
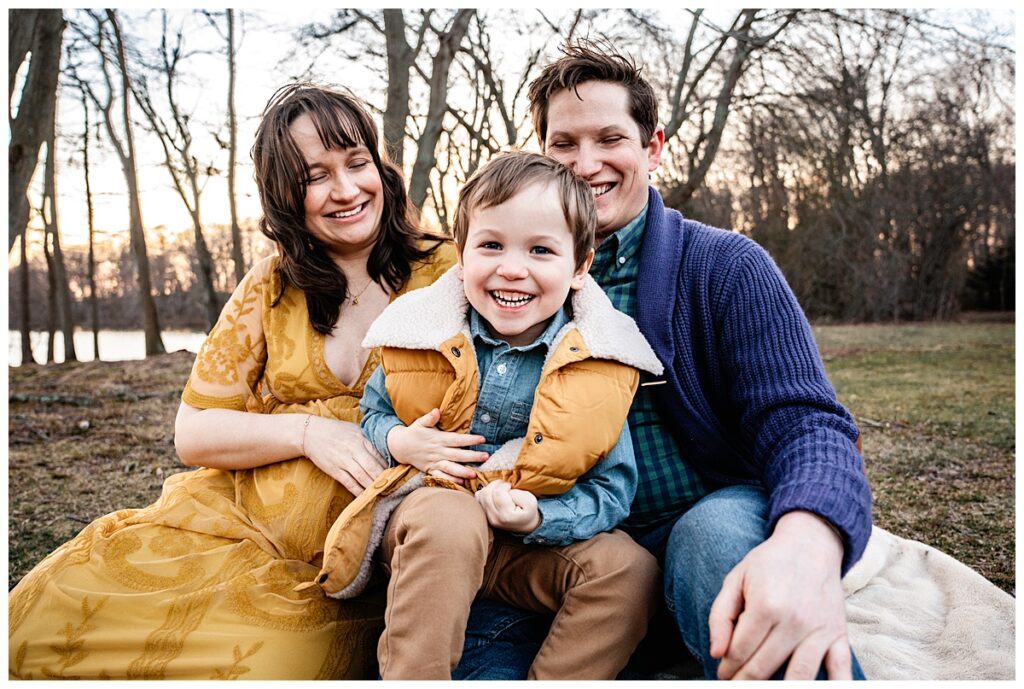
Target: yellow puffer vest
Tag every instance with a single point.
(581, 402)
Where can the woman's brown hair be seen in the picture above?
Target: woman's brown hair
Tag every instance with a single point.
(282, 176)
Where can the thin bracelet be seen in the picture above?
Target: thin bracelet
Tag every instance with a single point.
(305, 425)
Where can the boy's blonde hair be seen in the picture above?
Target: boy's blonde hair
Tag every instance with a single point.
(509, 173)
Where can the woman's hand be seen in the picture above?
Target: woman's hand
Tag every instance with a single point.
(339, 449)
(509, 508)
(435, 452)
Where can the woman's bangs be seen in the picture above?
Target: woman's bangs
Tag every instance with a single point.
(337, 128)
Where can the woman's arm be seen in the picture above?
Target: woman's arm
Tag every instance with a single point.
(229, 439)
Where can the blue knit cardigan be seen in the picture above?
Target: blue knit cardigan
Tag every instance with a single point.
(747, 392)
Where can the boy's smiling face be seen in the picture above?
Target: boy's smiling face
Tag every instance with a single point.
(517, 264)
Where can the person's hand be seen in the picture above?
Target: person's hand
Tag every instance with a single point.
(435, 452)
(784, 601)
(509, 508)
(340, 450)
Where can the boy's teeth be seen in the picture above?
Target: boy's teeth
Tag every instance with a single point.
(601, 189)
(511, 298)
(346, 214)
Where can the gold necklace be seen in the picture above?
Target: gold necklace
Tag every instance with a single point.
(355, 299)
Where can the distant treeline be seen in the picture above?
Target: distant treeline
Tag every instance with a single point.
(870, 151)
(179, 297)
(827, 281)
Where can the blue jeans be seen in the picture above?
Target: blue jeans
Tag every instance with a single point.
(696, 552)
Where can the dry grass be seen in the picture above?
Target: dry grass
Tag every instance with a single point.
(85, 440)
(934, 402)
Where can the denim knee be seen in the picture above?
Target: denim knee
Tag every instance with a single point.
(501, 642)
(714, 535)
(705, 544)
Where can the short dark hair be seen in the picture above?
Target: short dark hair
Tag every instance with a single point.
(282, 176)
(509, 173)
(585, 61)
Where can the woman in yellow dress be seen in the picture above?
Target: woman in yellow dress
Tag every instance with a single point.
(208, 581)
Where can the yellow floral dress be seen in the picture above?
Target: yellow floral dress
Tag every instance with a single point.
(202, 583)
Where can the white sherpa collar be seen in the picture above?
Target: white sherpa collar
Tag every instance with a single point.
(426, 318)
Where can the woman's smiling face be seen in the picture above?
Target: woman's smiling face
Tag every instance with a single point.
(344, 195)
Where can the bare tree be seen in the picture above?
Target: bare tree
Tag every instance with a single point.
(231, 50)
(176, 140)
(426, 152)
(123, 143)
(872, 148)
(401, 58)
(698, 112)
(37, 32)
(236, 230)
(60, 297)
(27, 357)
(51, 292)
(94, 312)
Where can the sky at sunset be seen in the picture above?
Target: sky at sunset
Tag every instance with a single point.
(269, 35)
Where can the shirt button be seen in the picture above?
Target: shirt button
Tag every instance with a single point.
(622, 259)
(486, 418)
(501, 369)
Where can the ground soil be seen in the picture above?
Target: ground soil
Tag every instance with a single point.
(86, 439)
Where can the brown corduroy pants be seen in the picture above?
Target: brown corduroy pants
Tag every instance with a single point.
(442, 554)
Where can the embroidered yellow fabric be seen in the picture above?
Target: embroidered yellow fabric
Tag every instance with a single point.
(201, 584)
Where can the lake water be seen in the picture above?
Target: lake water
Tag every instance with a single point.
(115, 345)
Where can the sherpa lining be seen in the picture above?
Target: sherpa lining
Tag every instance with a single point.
(425, 318)
(382, 510)
(502, 458)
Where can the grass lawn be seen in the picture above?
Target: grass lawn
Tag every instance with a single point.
(934, 403)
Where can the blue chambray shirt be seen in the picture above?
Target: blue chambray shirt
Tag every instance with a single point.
(508, 378)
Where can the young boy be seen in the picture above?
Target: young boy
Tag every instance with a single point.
(496, 356)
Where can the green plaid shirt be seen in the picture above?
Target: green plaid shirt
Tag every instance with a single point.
(668, 485)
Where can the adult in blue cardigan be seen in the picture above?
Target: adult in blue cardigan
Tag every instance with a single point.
(753, 493)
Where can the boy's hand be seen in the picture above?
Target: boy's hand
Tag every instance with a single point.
(509, 508)
(435, 452)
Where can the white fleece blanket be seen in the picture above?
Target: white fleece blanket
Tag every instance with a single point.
(916, 613)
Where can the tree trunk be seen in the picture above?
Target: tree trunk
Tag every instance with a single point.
(26, 322)
(60, 275)
(426, 155)
(723, 104)
(20, 28)
(29, 128)
(396, 110)
(94, 310)
(205, 263)
(151, 324)
(236, 231)
(176, 143)
(51, 296)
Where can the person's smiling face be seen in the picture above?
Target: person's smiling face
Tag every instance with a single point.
(517, 264)
(595, 135)
(344, 195)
